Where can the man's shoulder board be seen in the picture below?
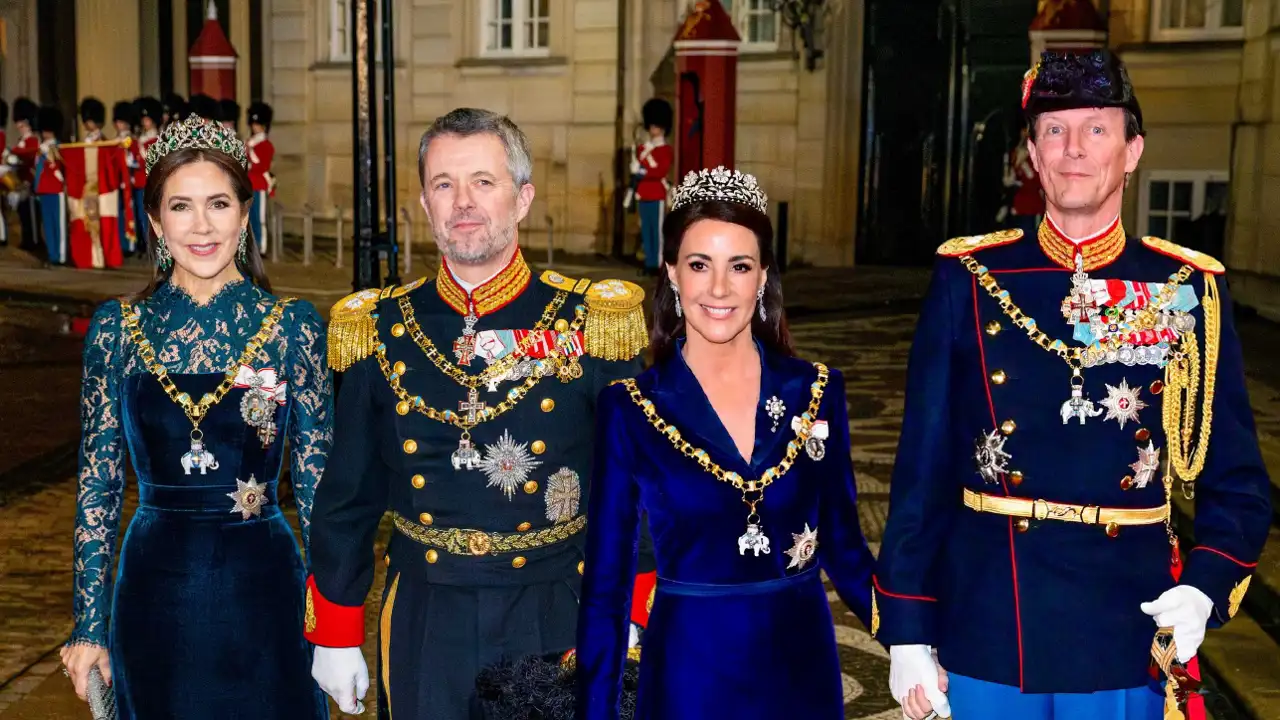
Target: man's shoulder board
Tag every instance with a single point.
(955, 247)
(353, 327)
(567, 284)
(614, 327)
(1196, 259)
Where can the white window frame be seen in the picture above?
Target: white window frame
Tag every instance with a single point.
(1212, 30)
(741, 13)
(519, 18)
(1198, 179)
(340, 41)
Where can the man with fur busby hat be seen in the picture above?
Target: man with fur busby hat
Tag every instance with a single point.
(261, 153)
(93, 114)
(650, 167)
(50, 185)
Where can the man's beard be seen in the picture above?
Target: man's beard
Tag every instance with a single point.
(489, 245)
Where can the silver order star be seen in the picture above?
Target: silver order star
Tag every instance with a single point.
(1123, 403)
(991, 457)
(804, 546)
(1148, 462)
(249, 497)
(563, 495)
(507, 464)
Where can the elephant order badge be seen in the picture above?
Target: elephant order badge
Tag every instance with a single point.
(754, 540)
(198, 458)
(263, 392)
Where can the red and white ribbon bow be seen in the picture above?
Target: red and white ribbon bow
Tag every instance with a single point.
(265, 380)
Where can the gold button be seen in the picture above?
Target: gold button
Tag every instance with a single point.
(1008, 426)
(1022, 525)
(581, 566)
(397, 329)
(402, 407)
(386, 560)
(548, 405)
(1112, 529)
(426, 519)
(411, 446)
(538, 447)
(432, 556)
(523, 527)
(518, 562)
(998, 377)
(562, 325)
(418, 481)
(993, 328)
(1015, 477)
(398, 368)
(531, 487)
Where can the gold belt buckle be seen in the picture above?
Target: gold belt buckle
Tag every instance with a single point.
(478, 543)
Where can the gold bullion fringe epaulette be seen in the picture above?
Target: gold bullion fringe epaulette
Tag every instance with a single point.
(1197, 260)
(615, 327)
(955, 247)
(460, 541)
(353, 326)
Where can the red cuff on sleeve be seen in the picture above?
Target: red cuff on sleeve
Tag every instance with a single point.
(330, 625)
(642, 598)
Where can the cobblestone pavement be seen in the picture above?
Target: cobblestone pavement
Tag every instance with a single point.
(869, 345)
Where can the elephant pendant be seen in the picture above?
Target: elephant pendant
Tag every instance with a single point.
(754, 540)
(198, 459)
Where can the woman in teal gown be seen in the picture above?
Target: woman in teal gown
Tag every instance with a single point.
(205, 616)
(738, 452)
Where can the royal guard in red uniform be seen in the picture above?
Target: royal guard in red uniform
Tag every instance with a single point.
(125, 117)
(261, 153)
(150, 116)
(652, 163)
(1026, 201)
(93, 114)
(26, 148)
(50, 186)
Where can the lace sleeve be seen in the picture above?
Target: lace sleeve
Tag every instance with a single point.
(311, 427)
(101, 486)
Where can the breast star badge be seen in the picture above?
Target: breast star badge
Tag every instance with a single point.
(1123, 403)
(990, 457)
(507, 464)
(803, 549)
(1148, 462)
(249, 497)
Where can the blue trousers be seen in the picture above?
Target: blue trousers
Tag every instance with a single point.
(980, 700)
(651, 212)
(258, 221)
(53, 217)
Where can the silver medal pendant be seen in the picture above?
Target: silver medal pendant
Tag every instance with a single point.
(466, 456)
(464, 348)
(754, 540)
(258, 409)
(1078, 407)
(198, 458)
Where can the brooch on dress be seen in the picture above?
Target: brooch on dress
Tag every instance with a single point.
(775, 410)
(803, 549)
(249, 497)
(815, 446)
(264, 391)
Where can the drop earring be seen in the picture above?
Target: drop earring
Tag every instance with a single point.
(760, 302)
(242, 252)
(163, 257)
(676, 291)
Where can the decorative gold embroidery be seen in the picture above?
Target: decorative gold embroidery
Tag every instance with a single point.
(384, 625)
(353, 328)
(875, 614)
(1237, 596)
(462, 541)
(1097, 252)
(311, 613)
(615, 324)
(489, 297)
(956, 247)
(1201, 261)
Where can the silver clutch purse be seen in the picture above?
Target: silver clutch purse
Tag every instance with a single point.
(102, 699)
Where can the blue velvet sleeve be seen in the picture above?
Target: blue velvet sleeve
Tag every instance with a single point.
(311, 425)
(842, 550)
(609, 573)
(1233, 509)
(101, 477)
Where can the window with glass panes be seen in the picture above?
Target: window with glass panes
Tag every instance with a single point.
(1168, 197)
(1197, 19)
(757, 22)
(517, 27)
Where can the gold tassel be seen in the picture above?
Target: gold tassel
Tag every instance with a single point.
(615, 328)
(875, 614)
(353, 329)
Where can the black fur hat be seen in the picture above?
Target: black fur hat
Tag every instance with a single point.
(149, 107)
(658, 112)
(261, 113)
(4, 113)
(126, 111)
(204, 106)
(228, 111)
(175, 106)
(1068, 80)
(50, 119)
(24, 110)
(92, 109)
(540, 688)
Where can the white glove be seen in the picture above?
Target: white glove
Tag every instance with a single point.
(342, 674)
(912, 665)
(1187, 611)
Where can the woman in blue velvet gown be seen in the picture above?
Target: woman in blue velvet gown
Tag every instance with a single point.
(739, 454)
(205, 616)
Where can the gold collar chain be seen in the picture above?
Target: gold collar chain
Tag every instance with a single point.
(497, 369)
(196, 411)
(672, 433)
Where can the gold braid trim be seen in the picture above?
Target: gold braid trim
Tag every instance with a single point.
(353, 327)
(615, 327)
(1182, 386)
(461, 541)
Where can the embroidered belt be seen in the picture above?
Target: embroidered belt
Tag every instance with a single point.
(461, 541)
(1045, 510)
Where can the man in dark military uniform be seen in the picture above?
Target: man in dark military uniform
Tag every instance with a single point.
(467, 409)
(1060, 389)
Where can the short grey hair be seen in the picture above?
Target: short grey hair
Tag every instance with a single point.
(466, 122)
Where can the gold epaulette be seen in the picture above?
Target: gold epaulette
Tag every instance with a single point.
(1197, 260)
(353, 329)
(955, 247)
(615, 328)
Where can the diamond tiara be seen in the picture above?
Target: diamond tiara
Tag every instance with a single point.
(196, 132)
(721, 184)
